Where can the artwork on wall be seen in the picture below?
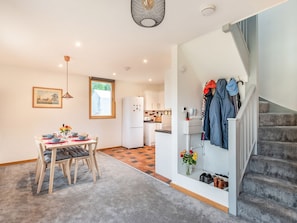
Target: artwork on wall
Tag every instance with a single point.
(47, 97)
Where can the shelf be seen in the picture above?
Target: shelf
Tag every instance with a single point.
(196, 176)
(193, 126)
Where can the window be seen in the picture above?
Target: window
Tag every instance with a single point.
(101, 98)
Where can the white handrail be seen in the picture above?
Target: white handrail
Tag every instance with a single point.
(242, 138)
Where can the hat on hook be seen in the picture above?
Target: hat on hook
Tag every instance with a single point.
(232, 87)
(210, 84)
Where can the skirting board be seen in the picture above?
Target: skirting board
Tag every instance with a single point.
(17, 162)
(201, 198)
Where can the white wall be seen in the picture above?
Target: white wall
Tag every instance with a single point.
(19, 122)
(214, 55)
(211, 56)
(277, 54)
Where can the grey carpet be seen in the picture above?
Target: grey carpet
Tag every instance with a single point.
(269, 187)
(122, 194)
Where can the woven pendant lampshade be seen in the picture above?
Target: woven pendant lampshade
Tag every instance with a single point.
(148, 13)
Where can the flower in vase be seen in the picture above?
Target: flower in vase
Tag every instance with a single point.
(189, 157)
(65, 128)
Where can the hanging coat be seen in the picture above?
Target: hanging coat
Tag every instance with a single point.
(221, 108)
(207, 97)
(233, 91)
(206, 123)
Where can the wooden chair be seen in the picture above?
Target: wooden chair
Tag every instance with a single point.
(43, 161)
(95, 158)
(82, 153)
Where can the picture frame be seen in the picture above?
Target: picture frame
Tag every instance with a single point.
(47, 97)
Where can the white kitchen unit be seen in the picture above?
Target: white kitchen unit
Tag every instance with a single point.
(154, 100)
(163, 153)
(149, 132)
(168, 92)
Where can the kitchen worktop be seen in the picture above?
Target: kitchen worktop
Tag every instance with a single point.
(152, 122)
(164, 130)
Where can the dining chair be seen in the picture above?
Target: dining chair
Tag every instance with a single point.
(82, 153)
(44, 159)
(95, 158)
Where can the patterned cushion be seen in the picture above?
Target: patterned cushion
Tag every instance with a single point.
(77, 151)
(61, 155)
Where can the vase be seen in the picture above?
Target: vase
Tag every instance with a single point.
(65, 134)
(189, 169)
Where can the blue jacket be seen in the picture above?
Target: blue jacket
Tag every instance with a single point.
(220, 109)
(206, 123)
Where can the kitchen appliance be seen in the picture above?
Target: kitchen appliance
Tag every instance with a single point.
(132, 119)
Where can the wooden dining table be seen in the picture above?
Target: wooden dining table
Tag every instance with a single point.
(67, 143)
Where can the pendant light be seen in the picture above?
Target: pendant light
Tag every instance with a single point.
(67, 95)
(148, 13)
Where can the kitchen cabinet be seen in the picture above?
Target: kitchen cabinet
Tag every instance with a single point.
(168, 93)
(149, 132)
(161, 100)
(154, 100)
(163, 154)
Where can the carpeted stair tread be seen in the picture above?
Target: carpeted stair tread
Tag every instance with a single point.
(261, 210)
(278, 133)
(263, 106)
(279, 150)
(282, 169)
(278, 190)
(269, 186)
(279, 119)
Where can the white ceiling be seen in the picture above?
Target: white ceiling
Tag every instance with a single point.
(38, 33)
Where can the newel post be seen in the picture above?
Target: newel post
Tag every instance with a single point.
(233, 141)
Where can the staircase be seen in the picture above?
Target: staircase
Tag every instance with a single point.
(269, 189)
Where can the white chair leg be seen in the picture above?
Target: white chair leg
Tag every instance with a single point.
(41, 178)
(96, 165)
(37, 172)
(67, 170)
(89, 164)
(75, 171)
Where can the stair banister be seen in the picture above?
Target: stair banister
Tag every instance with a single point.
(242, 140)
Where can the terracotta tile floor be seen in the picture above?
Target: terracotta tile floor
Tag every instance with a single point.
(142, 159)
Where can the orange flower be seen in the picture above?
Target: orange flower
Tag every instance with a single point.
(65, 128)
(189, 157)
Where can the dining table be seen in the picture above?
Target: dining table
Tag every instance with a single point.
(68, 143)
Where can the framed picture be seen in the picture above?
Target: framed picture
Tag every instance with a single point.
(47, 97)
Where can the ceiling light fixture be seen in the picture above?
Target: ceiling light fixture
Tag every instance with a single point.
(207, 10)
(77, 44)
(148, 13)
(67, 95)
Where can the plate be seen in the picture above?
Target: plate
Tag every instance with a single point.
(47, 136)
(81, 139)
(50, 142)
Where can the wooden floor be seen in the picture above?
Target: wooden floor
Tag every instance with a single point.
(142, 158)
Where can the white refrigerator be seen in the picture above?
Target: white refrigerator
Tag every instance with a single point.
(132, 122)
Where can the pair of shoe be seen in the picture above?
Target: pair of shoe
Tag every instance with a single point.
(206, 178)
(220, 182)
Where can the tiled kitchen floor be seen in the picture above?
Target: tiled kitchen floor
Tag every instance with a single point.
(142, 159)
